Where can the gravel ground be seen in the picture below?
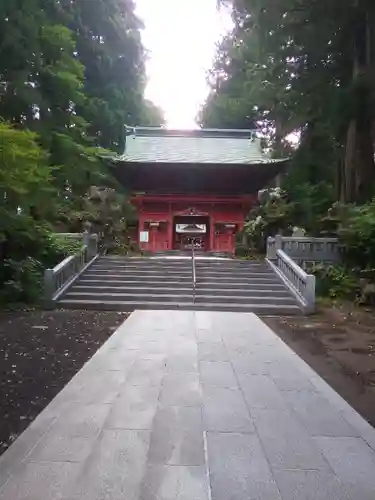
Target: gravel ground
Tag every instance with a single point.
(39, 353)
(339, 344)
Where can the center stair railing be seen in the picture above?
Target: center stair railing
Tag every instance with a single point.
(194, 272)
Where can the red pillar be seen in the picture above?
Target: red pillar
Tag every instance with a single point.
(141, 226)
(170, 233)
(153, 238)
(232, 242)
(212, 233)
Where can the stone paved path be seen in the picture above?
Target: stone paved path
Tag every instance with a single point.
(193, 406)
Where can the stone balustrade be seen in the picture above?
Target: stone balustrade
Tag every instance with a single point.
(287, 255)
(57, 279)
(305, 249)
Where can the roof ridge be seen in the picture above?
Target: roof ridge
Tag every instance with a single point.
(192, 133)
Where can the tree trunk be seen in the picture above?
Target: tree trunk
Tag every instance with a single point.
(359, 155)
(349, 184)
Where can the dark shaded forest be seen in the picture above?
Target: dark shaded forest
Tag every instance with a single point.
(72, 74)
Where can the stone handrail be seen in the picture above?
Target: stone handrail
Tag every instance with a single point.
(285, 254)
(194, 272)
(305, 249)
(301, 284)
(74, 236)
(59, 278)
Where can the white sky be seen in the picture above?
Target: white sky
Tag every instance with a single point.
(180, 36)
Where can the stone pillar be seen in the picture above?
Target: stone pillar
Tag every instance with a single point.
(273, 245)
(310, 294)
(92, 246)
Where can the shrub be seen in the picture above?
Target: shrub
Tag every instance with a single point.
(241, 251)
(334, 281)
(23, 281)
(59, 247)
(26, 248)
(357, 235)
(273, 214)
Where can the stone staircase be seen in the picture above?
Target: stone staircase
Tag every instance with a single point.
(126, 284)
(235, 285)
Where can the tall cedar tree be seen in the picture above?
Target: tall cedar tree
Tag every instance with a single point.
(305, 66)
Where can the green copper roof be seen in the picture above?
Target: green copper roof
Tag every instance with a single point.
(214, 146)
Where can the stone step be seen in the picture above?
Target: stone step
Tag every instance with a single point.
(181, 272)
(260, 309)
(201, 267)
(214, 282)
(158, 261)
(241, 292)
(132, 297)
(198, 253)
(144, 271)
(267, 282)
(252, 278)
(144, 262)
(162, 260)
(171, 297)
(89, 275)
(230, 263)
(179, 290)
(177, 268)
(235, 272)
(244, 299)
(113, 283)
(183, 269)
(149, 278)
(164, 277)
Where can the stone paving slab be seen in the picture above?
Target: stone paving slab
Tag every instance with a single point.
(193, 406)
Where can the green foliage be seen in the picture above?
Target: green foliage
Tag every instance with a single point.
(72, 74)
(61, 247)
(357, 235)
(24, 172)
(242, 251)
(307, 68)
(152, 115)
(335, 281)
(28, 247)
(108, 45)
(107, 211)
(273, 214)
(308, 204)
(23, 281)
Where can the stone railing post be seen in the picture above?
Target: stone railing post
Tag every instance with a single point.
(278, 242)
(91, 242)
(86, 238)
(310, 292)
(49, 288)
(274, 243)
(271, 248)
